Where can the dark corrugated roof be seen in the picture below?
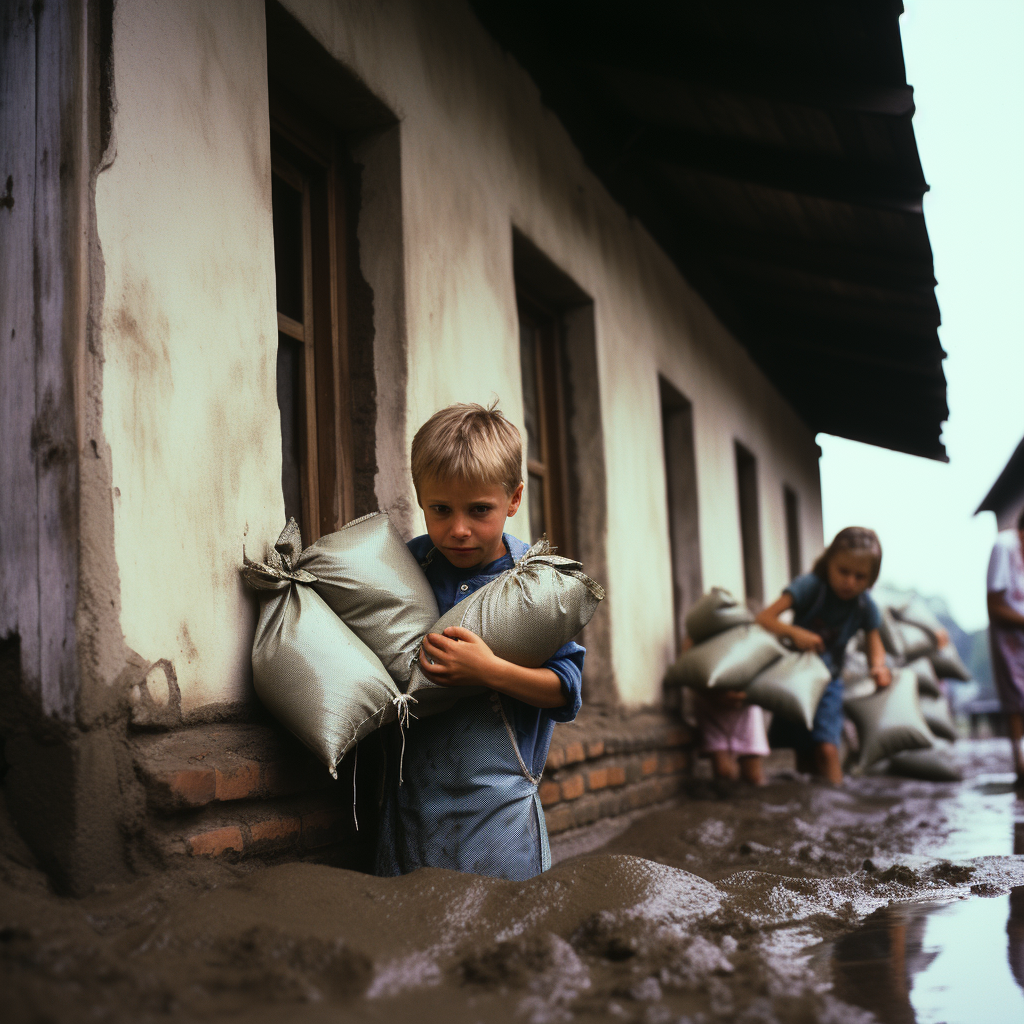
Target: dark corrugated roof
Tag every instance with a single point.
(1007, 493)
(768, 147)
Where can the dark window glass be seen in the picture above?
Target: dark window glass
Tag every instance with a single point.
(288, 247)
(750, 526)
(793, 532)
(289, 379)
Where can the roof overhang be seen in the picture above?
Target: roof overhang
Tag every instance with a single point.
(768, 148)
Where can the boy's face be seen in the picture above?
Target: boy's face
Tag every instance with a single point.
(465, 519)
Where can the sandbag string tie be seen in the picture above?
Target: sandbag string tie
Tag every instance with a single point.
(401, 703)
(355, 765)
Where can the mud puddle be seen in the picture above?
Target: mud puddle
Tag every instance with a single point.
(730, 906)
(959, 962)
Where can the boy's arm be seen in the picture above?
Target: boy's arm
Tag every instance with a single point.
(804, 639)
(876, 659)
(461, 658)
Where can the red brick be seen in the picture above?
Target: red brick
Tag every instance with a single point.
(194, 787)
(616, 775)
(597, 778)
(649, 765)
(559, 819)
(556, 758)
(677, 737)
(276, 831)
(673, 762)
(595, 748)
(574, 752)
(240, 782)
(550, 793)
(216, 842)
(572, 787)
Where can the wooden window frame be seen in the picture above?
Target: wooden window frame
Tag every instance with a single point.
(307, 154)
(553, 467)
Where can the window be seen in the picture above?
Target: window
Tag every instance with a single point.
(540, 354)
(750, 527)
(309, 209)
(681, 485)
(793, 531)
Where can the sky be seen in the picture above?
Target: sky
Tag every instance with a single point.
(965, 61)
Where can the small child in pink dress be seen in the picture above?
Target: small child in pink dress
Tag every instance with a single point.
(732, 732)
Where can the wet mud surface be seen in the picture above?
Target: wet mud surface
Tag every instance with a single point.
(731, 905)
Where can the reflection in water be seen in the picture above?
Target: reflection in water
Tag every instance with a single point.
(926, 963)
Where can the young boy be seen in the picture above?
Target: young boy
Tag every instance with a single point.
(468, 800)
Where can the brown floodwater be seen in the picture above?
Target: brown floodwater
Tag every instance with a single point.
(886, 899)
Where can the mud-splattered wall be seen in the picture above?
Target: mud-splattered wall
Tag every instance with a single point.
(189, 333)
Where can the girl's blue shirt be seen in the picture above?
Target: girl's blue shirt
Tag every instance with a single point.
(533, 726)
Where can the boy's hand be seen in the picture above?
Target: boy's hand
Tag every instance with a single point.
(882, 676)
(805, 640)
(941, 637)
(460, 658)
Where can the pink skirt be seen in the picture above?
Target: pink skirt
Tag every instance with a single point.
(740, 730)
(1007, 646)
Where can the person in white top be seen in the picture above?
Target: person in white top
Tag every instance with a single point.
(1006, 632)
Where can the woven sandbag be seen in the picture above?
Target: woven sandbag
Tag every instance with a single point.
(932, 765)
(890, 598)
(524, 615)
(889, 720)
(948, 665)
(935, 711)
(715, 612)
(373, 582)
(311, 671)
(729, 660)
(917, 612)
(889, 631)
(792, 686)
(916, 640)
(927, 680)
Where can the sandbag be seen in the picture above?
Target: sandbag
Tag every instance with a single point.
(917, 613)
(373, 582)
(889, 631)
(889, 720)
(855, 667)
(715, 612)
(915, 640)
(311, 671)
(889, 597)
(932, 765)
(935, 711)
(729, 660)
(524, 615)
(948, 665)
(792, 686)
(927, 680)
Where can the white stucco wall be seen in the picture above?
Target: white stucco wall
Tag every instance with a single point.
(189, 333)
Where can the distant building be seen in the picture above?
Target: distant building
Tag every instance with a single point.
(1006, 497)
(249, 248)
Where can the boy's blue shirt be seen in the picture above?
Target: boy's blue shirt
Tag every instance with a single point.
(533, 726)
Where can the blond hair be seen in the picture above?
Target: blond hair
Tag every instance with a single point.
(468, 442)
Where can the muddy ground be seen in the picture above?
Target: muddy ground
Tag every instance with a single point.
(726, 906)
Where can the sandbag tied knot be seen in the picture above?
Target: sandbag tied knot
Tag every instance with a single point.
(277, 571)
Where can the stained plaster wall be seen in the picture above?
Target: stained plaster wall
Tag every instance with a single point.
(480, 153)
(189, 334)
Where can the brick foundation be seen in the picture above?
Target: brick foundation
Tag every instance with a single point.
(245, 790)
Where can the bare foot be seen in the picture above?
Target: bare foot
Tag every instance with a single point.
(751, 770)
(826, 763)
(724, 765)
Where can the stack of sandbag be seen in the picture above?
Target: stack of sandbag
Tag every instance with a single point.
(731, 652)
(341, 623)
(524, 615)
